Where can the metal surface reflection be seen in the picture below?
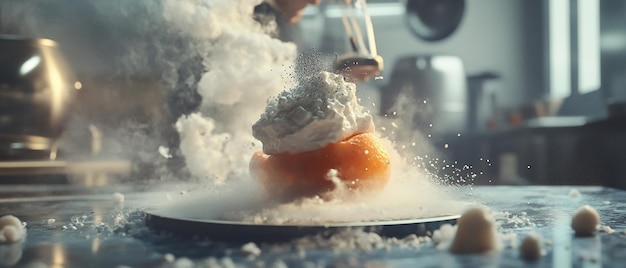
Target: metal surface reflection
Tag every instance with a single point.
(29, 65)
(58, 256)
(36, 89)
(10, 254)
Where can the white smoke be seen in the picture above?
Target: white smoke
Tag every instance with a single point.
(223, 53)
(245, 67)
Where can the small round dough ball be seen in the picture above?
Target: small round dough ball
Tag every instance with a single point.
(118, 198)
(585, 221)
(573, 193)
(11, 234)
(531, 248)
(11, 229)
(10, 220)
(476, 233)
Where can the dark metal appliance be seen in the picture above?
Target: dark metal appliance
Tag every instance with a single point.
(36, 88)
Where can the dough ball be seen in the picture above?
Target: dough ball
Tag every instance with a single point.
(476, 233)
(118, 198)
(11, 229)
(585, 221)
(531, 247)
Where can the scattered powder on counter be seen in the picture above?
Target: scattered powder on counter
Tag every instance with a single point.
(411, 241)
(11, 229)
(323, 109)
(476, 233)
(509, 240)
(585, 221)
(531, 247)
(76, 222)
(349, 240)
(128, 223)
(346, 240)
(444, 234)
(510, 220)
(251, 249)
(573, 193)
(606, 229)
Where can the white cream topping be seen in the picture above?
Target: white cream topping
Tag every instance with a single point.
(323, 109)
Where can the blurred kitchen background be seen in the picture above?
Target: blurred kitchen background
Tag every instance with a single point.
(514, 92)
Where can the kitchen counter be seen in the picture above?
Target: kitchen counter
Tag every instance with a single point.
(546, 151)
(91, 229)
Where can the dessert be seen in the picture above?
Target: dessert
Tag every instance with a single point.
(314, 133)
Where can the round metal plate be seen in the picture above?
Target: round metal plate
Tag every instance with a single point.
(235, 231)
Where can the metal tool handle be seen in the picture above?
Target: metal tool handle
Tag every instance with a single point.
(353, 30)
(360, 54)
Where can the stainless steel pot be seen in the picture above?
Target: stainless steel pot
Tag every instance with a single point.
(36, 88)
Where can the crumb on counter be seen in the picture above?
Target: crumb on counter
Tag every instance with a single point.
(251, 249)
(606, 229)
(169, 257)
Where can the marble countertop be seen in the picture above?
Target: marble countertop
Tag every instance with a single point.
(87, 228)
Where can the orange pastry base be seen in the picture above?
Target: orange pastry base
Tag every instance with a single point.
(361, 161)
